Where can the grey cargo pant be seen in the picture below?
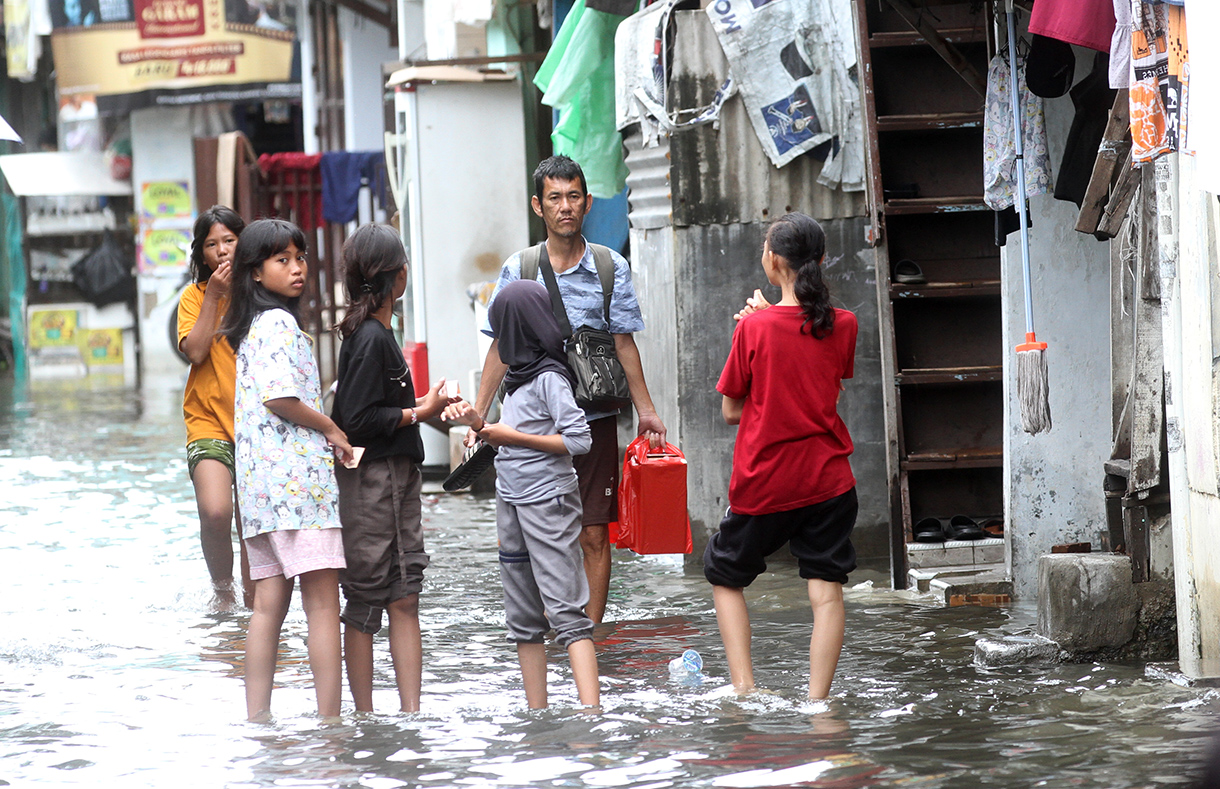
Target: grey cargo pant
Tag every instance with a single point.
(542, 569)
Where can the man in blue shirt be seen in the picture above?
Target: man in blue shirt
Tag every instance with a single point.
(562, 200)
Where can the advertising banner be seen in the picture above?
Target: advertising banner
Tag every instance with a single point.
(129, 54)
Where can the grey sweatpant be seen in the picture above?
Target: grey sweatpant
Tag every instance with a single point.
(542, 569)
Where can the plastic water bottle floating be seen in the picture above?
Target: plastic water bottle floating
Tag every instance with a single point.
(689, 663)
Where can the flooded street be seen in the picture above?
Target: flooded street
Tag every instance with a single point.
(114, 673)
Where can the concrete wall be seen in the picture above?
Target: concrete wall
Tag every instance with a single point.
(366, 45)
(1053, 481)
(1189, 289)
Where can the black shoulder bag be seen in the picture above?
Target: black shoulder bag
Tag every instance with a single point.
(601, 383)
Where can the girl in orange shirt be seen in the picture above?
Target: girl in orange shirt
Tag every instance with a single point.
(207, 404)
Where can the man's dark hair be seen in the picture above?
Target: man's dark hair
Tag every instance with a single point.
(560, 168)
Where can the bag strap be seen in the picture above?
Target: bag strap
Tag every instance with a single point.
(548, 276)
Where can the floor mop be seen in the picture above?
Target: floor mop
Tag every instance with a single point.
(1033, 389)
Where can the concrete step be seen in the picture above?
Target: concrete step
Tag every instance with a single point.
(979, 584)
(955, 553)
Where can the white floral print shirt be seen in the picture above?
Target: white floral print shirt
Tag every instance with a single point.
(285, 471)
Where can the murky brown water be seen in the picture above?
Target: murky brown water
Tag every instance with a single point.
(112, 673)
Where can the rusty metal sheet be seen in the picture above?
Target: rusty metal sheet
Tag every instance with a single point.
(720, 173)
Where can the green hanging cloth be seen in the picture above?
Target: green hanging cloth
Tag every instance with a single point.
(577, 79)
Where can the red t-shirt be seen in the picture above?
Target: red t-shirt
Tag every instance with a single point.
(792, 446)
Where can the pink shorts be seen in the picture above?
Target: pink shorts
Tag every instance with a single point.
(292, 553)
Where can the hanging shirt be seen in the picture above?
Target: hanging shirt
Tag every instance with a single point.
(1159, 86)
(999, 147)
(1086, 23)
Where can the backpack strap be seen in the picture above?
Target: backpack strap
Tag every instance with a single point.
(529, 261)
(605, 272)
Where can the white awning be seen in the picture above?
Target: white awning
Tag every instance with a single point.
(444, 74)
(69, 173)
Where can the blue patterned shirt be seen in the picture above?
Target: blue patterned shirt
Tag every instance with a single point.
(581, 291)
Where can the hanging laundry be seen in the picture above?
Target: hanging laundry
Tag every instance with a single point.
(1086, 23)
(577, 79)
(1159, 68)
(1120, 45)
(640, 66)
(791, 64)
(343, 174)
(999, 146)
(301, 203)
(1092, 97)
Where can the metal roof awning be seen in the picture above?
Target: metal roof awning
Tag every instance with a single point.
(404, 76)
(53, 174)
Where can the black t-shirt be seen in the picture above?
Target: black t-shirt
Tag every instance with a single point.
(374, 386)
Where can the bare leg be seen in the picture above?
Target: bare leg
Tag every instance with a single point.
(532, 658)
(320, 599)
(214, 500)
(583, 657)
(826, 598)
(407, 650)
(734, 620)
(247, 586)
(595, 544)
(271, 598)
(358, 655)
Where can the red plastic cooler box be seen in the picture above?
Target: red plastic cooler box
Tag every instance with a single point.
(652, 500)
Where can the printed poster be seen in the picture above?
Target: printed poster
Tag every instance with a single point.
(102, 347)
(165, 200)
(132, 54)
(53, 328)
(164, 250)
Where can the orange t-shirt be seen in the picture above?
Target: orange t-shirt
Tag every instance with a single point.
(207, 404)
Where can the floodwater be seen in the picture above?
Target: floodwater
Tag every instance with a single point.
(114, 673)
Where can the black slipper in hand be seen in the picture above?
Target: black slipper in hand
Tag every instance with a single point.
(475, 460)
(963, 528)
(929, 530)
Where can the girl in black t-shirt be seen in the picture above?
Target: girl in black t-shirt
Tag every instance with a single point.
(379, 502)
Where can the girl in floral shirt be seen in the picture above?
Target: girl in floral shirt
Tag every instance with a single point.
(285, 456)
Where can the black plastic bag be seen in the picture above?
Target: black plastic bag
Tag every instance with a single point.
(104, 275)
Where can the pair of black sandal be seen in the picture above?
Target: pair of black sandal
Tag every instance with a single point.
(959, 527)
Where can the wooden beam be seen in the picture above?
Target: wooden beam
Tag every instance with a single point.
(1120, 201)
(956, 60)
(1114, 149)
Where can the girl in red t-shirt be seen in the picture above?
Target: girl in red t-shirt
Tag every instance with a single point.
(791, 482)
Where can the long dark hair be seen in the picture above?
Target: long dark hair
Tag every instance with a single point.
(247, 298)
(372, 258)
(217, 214)
(801, 242)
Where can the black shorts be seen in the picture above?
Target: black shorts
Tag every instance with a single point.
(819, 536)
(597, 471)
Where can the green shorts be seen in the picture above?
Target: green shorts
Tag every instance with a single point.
(210, 449)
